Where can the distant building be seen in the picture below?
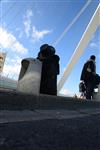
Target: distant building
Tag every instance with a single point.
(2, 60)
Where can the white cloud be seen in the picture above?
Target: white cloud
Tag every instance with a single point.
(38, 35)
(9, 41)
(31, 30)
(93, 45)
(12, 69)
(20, 32)
(65, 92)
(27, 21)
(95, 41)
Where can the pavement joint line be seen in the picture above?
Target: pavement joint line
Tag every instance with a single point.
(89, 111)
(40, 115)
(28, 120)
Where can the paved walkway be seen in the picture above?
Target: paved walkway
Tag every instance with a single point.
(29, 122)
(27, 115)
(52, 134)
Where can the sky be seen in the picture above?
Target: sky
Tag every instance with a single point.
(27, 24)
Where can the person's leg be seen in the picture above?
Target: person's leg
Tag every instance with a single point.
(89, 90)
(52, 85)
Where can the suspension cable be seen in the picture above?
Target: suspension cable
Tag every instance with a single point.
(72, 22)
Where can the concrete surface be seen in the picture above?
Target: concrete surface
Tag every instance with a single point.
(19, 101)
(30, 122)
(82, 133)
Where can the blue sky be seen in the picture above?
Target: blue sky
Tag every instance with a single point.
(26, 25)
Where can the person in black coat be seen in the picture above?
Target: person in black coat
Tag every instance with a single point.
(50, 69)
(88, 76)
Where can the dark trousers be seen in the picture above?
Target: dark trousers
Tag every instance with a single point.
(89, 89)
(49, 85)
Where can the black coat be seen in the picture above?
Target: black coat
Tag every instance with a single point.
(50, 70)
(88, 71)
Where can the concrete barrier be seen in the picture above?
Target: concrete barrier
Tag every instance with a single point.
(30, 76)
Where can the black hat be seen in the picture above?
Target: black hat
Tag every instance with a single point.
(47, 50)
(52, 49)
(92, 57)
(44, 47)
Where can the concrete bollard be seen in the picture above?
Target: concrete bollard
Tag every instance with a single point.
(30, 76)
